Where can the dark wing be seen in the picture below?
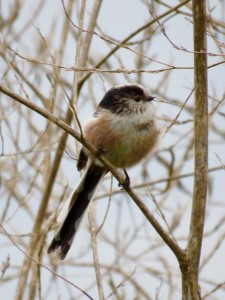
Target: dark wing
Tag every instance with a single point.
(82, 160)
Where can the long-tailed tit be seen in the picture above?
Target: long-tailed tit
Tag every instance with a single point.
(123, 130)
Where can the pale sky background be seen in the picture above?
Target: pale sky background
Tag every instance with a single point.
(117, 19)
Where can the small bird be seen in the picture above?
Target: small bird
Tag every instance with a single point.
(122, 129)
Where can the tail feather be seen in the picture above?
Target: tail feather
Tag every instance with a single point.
(80, 200)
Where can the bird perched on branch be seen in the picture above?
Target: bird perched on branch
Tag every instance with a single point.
(122, 129)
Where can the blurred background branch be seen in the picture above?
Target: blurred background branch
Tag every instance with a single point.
(61, 60)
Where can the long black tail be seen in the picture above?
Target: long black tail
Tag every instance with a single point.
(80, 200)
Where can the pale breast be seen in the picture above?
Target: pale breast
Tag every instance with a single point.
(135, 145)
(123, 140)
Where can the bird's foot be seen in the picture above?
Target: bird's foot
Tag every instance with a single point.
(126, 182)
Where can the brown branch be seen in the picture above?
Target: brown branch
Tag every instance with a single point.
(42, 265)
(98, 275)
(164, 235)
(190, 274)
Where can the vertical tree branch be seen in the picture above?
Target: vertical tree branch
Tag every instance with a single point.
(95, 254)
(190, 281)
(33, 246)
(32, 249)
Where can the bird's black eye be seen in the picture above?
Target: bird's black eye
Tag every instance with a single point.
(137, 98)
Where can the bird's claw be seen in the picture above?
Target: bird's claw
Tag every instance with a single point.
(126, 182)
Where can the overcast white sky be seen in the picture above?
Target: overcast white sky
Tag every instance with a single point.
(117, 19)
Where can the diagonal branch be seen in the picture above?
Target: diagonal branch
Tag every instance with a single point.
(164, 235)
